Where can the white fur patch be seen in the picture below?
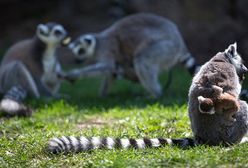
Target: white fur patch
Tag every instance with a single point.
(10, 106)
(52, 143)
(110, 143)
(67, 142)
(74, 142)
(51, 67)
(57, 141)
(44, 28)
(190, 62)
(96, 142)
(84, 142)
(244, 140)
(169, 141)
(140, 143)
(155, 142)
(125, 143)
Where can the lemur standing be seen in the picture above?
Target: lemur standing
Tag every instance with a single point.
(30, 67)
(224, 72)
(137, 47)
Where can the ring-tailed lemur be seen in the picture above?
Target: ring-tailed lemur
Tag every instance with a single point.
(222, 71)
(30, 67)
(137, 47)
(213, 99)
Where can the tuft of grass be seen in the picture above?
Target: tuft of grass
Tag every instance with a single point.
(126, 112)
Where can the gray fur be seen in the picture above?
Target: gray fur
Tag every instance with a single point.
(32, 66)
(137, 48)
(208, 128)
(216, 129)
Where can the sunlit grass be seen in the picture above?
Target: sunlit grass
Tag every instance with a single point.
(126, 112)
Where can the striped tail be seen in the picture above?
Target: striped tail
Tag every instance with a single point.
(11, 102)
(78, 144)
(191, 65)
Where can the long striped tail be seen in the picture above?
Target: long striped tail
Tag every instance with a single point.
(191, 65)
(79, 144)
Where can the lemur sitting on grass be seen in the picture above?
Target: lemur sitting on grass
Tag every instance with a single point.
(30, 67)
(219, 81)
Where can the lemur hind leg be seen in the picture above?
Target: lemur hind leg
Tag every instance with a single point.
(148, 77)
(12, 102)
(16, 74)
(149, 62)
(239, 131)
(105, 85)
(16, 84)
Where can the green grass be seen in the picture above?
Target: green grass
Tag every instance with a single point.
(126, 112)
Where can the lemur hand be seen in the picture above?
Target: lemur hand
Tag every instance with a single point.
(69, 76)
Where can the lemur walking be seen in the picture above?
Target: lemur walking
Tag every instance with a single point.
(223, 72)
(137, 48)
(30, 67)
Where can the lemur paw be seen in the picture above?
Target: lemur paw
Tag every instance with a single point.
(217, 89)
(14, 108)
(67, 77)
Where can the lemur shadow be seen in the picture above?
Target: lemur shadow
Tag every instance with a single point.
(83, 94)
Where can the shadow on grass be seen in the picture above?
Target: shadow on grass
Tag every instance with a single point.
(124, 94)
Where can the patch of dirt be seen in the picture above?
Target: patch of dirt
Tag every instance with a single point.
(97, 123)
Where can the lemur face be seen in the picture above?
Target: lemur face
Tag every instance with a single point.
(52, 33)
(235, 59)
(83, 47)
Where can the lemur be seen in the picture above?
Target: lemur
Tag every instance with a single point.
(228, 125)
(217, 101)
(137, 47)
(30, 67)
(224, 72)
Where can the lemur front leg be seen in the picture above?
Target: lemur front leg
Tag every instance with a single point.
(98, 69)
(17, 82)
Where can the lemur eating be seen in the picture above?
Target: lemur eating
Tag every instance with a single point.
(217, 77)
(137, 47)
(30, 67)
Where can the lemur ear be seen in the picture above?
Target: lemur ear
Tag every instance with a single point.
(231, 50)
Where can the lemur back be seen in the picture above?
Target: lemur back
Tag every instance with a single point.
(215, 128)
(30, 67)
(138, 47)
(208, 128)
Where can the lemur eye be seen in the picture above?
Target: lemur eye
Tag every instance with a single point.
(88, 41)
(58, 33)
(81, 51)
(42, 32)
